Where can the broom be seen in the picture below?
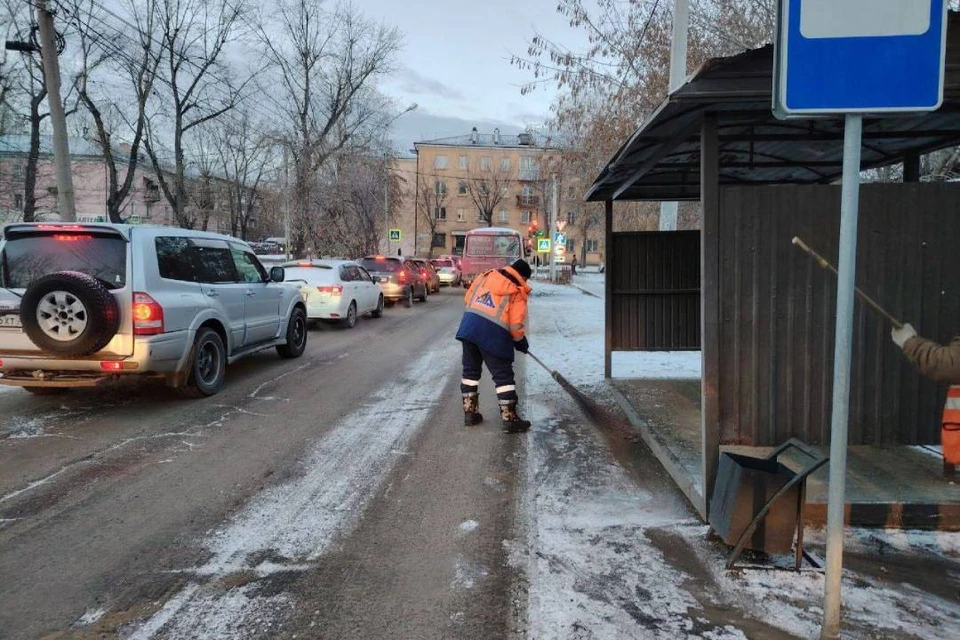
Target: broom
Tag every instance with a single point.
(591, 408)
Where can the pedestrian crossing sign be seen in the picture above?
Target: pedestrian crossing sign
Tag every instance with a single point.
(543, 245)
(394, 235)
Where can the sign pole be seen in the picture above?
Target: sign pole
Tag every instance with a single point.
(551, 227)
(849, 212)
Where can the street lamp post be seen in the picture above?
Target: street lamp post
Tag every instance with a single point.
(386, 185)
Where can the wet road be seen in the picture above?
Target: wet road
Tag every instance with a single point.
(132, 512)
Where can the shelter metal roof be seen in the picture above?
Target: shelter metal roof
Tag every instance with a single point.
(661, 161)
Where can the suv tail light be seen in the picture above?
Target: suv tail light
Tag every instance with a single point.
(333, 290)
(147, 315)
(403, 277)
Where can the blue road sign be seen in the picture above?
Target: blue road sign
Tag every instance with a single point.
(543, 245)
(560, 238)
(859, 56)
(394, 235)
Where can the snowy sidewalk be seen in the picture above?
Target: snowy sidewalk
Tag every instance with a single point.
(609, 549)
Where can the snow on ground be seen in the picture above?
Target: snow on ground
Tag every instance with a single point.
(579, 318)
(603, 555)
(288, 526)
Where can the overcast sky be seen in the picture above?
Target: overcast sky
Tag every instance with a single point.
(456, 63)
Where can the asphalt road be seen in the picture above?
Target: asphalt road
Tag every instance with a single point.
(337, 495)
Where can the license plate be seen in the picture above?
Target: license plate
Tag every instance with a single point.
(10, 321)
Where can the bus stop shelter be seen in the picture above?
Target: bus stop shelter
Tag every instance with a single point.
(759, 310)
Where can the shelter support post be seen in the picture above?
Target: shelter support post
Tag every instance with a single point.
(608, 292)
(710, 304)
(911, 167)
(849, 212)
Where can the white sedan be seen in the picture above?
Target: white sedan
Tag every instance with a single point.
(338, 290)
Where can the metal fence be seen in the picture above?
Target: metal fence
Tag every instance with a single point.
(656, 291)
(777, 311)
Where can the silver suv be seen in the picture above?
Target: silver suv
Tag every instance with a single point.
(84, 304)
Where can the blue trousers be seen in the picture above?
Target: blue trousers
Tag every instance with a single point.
(500, 368)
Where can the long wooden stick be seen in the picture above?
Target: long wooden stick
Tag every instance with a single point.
(870, 302)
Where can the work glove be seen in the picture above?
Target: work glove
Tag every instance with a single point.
(904, 333)
(522, 345)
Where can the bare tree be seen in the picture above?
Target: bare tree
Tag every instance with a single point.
(198, 86)
(433, 191)
(243, 154)
(325, 64)
(351, 200)
(488, 187)
(137, 66)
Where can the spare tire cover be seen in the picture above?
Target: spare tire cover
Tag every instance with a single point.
(69, 313)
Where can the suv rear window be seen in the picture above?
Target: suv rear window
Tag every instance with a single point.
(26, 258)
(387, 264)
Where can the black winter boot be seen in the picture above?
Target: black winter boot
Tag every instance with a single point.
(512, 423)
(471, 409)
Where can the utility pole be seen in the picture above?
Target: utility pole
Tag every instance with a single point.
(61, 147)
(678, 73)
(286, 204)
(551, 228)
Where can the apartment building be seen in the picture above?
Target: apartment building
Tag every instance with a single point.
(457, 184)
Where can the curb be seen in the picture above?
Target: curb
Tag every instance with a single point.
(589, 293)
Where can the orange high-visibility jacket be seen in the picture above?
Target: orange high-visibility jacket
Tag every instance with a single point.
(496, 311)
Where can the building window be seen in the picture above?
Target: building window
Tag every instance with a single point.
(462, 163)
(462, 188)
(461, 215)
(440, 188)
(440, 162)
(439, 240)
(571, 245)
(525, 217)
(18, 171)
(483, 189)
(504, 215)
(528, 196)
(485, 163)
(592, 245)
(504, 164)
(571, 217)
(571, 193)
(480, 217)
(529, 168)
(440, 213)
(18, 202)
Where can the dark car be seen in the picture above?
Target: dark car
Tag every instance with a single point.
(400, 279)
(428, 273)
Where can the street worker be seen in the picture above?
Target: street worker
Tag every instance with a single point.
(941, 364)
(493, 326)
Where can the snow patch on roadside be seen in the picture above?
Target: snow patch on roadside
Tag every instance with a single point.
(90, 617)
(468, 526)
(295, 523)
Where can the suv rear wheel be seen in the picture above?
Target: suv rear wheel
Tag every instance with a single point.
(408, 298)
(423, 296)
(296, 342)
(208, 367)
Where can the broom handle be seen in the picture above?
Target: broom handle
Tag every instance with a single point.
(870, 302)
(540, 362)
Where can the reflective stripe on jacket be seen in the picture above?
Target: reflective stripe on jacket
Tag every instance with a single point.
(496, 312)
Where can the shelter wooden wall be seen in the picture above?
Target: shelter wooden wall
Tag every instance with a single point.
(777, 310)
